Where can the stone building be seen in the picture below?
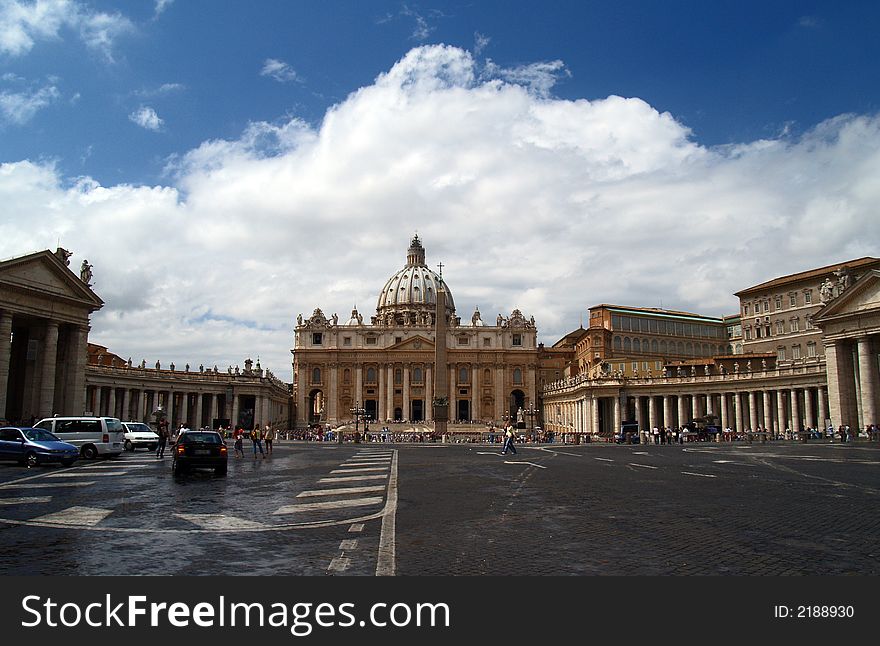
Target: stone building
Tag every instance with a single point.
(386, 365)
(44, 326)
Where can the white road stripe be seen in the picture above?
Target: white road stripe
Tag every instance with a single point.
(339, 491)
(360, 458)
(349, 544)
(75, 516)
(122, 465)
(324, 506)
(386, 558)
(353, 478)
(361, 464)
(529, 463)
(604, 459)
(46, 485)
(339, 564)
(25, 500)
(644, 466)
(82, 474)
(220, 521)
(702, 475)
(359, 470)
(357, 527)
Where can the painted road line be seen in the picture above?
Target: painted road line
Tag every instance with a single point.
(357, 527)
(348, 544)
(79, 516)
(352, 478)
(604, 459)
(359, 470)
(360, 464)
(360, 458)
(489, 453)
(640, 453)
(329, 505)
(91, 474)
(117, 466)
(702, 475)
(27, 500)
(339, 564)
(220, 521)
(529, 463)
(46, 485)
(386, 558)
(742, 464)
(644, 466)
(339, 491)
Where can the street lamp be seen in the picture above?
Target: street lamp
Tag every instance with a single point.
(531, 412)
(358, 412)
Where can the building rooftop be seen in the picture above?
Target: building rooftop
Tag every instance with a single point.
(656, 311)
(812, 273)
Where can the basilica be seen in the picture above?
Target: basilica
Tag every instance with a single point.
(385, 366)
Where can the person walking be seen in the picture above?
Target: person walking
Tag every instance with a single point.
(257, 439)
(269, 436)
(163, 439)
(508, 441)
(238, 436)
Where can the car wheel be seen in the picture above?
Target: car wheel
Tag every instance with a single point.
(176, 468)
(129, 446)
(220, 471)
(31, 459)
(89, 452)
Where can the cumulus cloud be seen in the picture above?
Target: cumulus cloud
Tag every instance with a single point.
(20, 107)
(530, 202)
(161, 6)
(147, 118)
(278, 70)
(22, 24)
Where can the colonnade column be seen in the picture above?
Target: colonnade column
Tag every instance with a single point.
(215, 407)
(47, 370)
(753, 410)
(781, 418)
(235, 410)
(867, 381)
(383, 396)
(841, 384)
(695, 406)
(500, 405)
(823, 412)
(594, 414)
(389, 397)
(5, 353)
(652, 411)
(768, 411)
(808, 408)
(667, 411)
(795, 413)
(638, 405)
(475, 394)
(333, 403)
(359, 386)
(407, 404)
(75, 403)
(617, 413)
(199, 420)
(738, 412)
(682, 411)
(184, 408)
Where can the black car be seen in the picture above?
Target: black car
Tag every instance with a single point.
(200, 449)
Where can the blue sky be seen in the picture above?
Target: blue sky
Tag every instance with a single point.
(298, 145)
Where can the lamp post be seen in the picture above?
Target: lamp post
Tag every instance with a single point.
(531, 412)
(357, 411)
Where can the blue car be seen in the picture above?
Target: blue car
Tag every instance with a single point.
(33, 446)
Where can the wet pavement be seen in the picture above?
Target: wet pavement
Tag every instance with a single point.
(460, 509)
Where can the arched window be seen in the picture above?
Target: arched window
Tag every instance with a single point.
(655, 347)
(680, 347)
(637, 345)
(417, 375)
(417, 295)
(371, 375)
(487, 376)
(517, 376)
(346, 376)
(627, 344)
(689, 349)
(663, 349)
(618, 344)
(316, 375)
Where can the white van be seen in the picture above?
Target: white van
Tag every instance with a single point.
(93, 436)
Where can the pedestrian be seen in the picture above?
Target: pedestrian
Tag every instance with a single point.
(656, 433)
(238, 436)
(163, 439)
(269, 436)
(257, 439)
(508, 441)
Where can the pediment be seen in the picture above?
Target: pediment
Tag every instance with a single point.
(863, 296)
(42, 275)
(415, 344)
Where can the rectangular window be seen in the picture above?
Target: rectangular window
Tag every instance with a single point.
(463, 340)
(792, 299)
(645, 366)
(615, 322)
(635, 366)
(795, 352)
(658, 365)
(317, 338)
(778, 303)
(487, 342)
(795, 325)
(780, 327)
(398, 339)
(748, 334)
(811, 349)
(370, 340)
(517, 339)
(346, 340)
(747, 309)
(757, 308)
(808, 297)
(780, 354)
(808, 322)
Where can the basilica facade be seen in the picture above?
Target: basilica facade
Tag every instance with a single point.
(386, 366)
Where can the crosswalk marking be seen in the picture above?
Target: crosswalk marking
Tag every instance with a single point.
(357, 527)
(332, 504)
(363, 464)
(220, 521)
(45, 485)
(26, 500)
(359, 470)
(339, 564)
(89, 516)
(353, 478)
(349, 544)
(117, 466)
(339, 491)
(81, 474)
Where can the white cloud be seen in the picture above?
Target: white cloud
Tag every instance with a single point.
(146, 117)
(161, 6)
(481, 41)
(279, 70)
(22, 24)
(529, 201)
(20, 107)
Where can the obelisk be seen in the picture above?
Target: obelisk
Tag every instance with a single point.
(441, 370)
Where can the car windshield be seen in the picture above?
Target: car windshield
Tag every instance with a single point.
(114, 425)
(139, 428)
(39, 435)
(200, 438)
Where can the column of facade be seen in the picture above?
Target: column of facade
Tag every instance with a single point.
(867, 381)
(475, 394)
(667, 411)
(47, 370)
(429, 395)
(170, 406)
(77, 342)
(725, 412)
(453, 392)
(383, 395)
(111, 401)
(184, 408)
(738, 412)
(781, 417)
(652, 411)
(808, 408)
(753, 410)
(390, 391)
(500, 405)
(638, 404)
(267, 409)
(302, 416)
(5, 357)
(710, 404)
(333, 404)
(823, 412)
(199, 418)
(359, 386)
(841, 384)
(215, 406)
(617, 413)
(530, 390)
(594, 415)
(695, 406)
(682, 411)
(768, 411)
(795, 413)
(407, 404)
(235, 409)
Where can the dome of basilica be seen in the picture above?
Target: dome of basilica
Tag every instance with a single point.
(413, 289)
